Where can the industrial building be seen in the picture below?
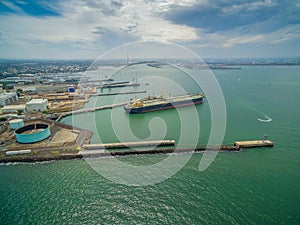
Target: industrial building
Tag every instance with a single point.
(13, 109)
(49, 89)
(37, 105)
(8, 98)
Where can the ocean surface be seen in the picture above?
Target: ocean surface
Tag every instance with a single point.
(254, 186)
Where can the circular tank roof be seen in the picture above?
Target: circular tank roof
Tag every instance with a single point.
(16, 121)
(31, 128)
(32, 133)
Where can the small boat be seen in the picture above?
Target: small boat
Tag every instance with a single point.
(267, 120)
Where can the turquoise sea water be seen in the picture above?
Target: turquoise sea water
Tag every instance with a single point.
(255, 186)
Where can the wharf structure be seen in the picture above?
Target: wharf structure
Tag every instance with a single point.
(238, 145)
(254, 144)
(89, 110)
(129, 144)
(99, 151)
(119, 93)
(119, 84)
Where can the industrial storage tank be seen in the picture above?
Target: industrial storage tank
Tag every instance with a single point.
(16, 123)
(32, 133)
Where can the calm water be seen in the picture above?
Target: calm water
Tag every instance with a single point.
(258, 186)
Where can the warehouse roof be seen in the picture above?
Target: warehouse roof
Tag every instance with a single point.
(37, 101)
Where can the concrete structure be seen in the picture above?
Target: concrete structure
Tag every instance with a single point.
(16, 123)
(254, 144)
(130, 144)
(20, 152)
(37, 105)
(49, 89)
(13, 109)
(32, 133)
(8, 98)
(11, 116)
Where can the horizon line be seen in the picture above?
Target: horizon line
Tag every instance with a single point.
(207, 58)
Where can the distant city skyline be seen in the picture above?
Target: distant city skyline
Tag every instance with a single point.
(86, 29)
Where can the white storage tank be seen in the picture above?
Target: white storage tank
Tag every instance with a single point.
(16, 123)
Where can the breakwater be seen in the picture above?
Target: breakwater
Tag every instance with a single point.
(119, 93)
(129, 144)
(102, 152)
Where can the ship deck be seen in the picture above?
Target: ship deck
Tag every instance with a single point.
(170, 100)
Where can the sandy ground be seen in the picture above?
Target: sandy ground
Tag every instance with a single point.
(63, 136)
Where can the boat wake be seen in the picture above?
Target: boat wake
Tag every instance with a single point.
(267, 119)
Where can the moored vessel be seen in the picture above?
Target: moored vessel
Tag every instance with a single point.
(153, 103)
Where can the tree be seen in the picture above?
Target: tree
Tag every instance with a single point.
(19, 92)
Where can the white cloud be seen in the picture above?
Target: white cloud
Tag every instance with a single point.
(245, 39)
(227, 40)
(12, 6)
(286, 34)
(78, 21)
(94, 25)
(237, 37)
(252, 6)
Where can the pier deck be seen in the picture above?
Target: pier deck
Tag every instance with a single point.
(90, 110)
(119, 93)
(118, 85)
(98, 150)
(254, 144)
(129, 144)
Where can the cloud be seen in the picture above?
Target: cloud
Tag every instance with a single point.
(44, 27)
(12, 6)
(36, 8)
(248, 7)
(242, 40)
(218, 16)
(285, 34)
(80, 20)
(240, 37)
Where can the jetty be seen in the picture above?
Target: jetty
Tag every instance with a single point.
(90, 110)
(119, 84)
(119, 93)
(236, 146)
(65, 114)
(163, 147)
(129, 144)
(254, 144)
(100, 150)
(97, 80)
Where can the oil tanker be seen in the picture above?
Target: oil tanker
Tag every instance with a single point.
(153, 103)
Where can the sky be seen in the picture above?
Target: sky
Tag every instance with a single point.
(86, 29)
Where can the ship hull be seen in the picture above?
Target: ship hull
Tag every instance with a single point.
(165, 106)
